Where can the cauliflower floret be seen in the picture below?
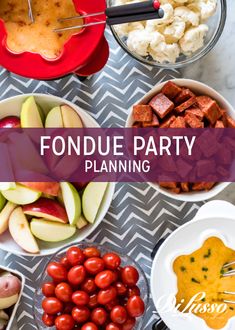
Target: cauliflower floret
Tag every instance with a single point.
(208, 8)
(152, 25)
(187, 15)
(175, 31)
(124, 29)
(138, 41)
(193, 39)
(165, 53)
(156, 39)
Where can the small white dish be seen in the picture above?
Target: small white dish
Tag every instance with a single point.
(12, 106)
(202, 89)
(216, 218)
(22, 279)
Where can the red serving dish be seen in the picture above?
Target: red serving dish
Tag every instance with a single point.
(84, 54)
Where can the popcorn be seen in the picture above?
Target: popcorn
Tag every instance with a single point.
(180, 31)
(193, 39)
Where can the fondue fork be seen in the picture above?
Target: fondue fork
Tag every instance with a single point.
(226, 272)
(140, 11)
(30, 11)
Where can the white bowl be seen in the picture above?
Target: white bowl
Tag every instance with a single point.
(216, 218)
(22, 279)
(202, 89)
(12, 106)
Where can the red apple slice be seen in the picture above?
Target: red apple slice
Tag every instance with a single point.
(10, 122)
(49, 188)
(48, 209)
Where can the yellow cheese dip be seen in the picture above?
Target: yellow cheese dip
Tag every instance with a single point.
(37, 37)
(202, 271)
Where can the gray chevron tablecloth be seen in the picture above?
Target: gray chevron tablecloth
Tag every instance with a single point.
(139, 216)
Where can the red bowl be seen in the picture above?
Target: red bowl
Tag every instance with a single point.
(85, 53)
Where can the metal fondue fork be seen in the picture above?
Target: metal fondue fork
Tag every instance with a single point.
(227, 273)
(30, 11)
(135, 12)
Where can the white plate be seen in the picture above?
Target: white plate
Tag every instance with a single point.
(202, 89)
(216, 218)
(12, 106)
(10, 323)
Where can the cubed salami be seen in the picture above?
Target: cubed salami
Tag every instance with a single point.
(230, 122)
(161, 105)
(184, 95)
(196, 112)
(137, 125)
(167, 122)
(184, 106)
(171, 90)
(169, 185)
(185, 186)
(153, 123)
(210, 108)
(219, 124)
(142, 113)
(202, 186)
(179, 122)
(193, 121)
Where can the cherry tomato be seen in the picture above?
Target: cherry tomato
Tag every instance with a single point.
(104, 279)
(75, 256)
(80, 298)
(99, 316)
(77, 275)
(93, 302)
(80, 314)
(118, 315)
(48, 289)
(89, 326)
(64, 322)
(112, 260)
(91, 252)
(48, 320)
(68, 307)
(94, 265)
(113, 326)
(107, 295)
(65, 262)
(133, 291)
(112, 304)
(52, 305)
(63, 291)
(129, 324)
(130, 275)
(89, 285)
(121, 288)
(57, 271)
(135, 306)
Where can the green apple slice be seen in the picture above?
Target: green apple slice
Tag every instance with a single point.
(2, 202)
(49, 231)
(92, 199)
(54, 119)
(20, 231)
(7, 185)
(5, 215)
(81, 222)
(72, 202)
(31, 114)
(70, 117)
(21, 195)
